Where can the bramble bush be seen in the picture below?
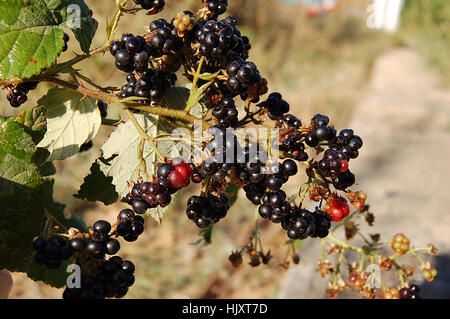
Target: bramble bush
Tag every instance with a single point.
(220, 131)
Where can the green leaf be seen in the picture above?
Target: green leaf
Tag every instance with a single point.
(71, 121)
(177, 97)
(21, 220)
(24, 199)
(97, 186)
(34, 119)
(123, 144)
(57, 209)
(55, 278)
(31, 36)
(206, 235)
(16, 155)
(232, 190)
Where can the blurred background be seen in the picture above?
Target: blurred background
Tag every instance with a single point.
(391, 86)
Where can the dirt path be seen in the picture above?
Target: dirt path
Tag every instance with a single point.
(404, 166)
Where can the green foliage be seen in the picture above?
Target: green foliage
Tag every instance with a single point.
(72, 120)
(21, 193)
(32, 37)
(232, 190)
(97, 187)
(425, 27)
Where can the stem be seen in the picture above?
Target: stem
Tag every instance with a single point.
(181, 115)
(110, 98)
(344, 244)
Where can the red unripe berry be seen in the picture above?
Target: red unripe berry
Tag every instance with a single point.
(344, 165)
(336, 214)
(184, 169)
(338, 209)
(176, 179)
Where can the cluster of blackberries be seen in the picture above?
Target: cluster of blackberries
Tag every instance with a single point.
(131, 53)
(157, 5)
(222, 41)
(226, 113)
(277, 107)
(275, 206)
(320, 131)
(413, 292)
(207, 209)
(348, 142)
(151, 85)
(279, 174)
(344, 180)
(100, 242)
(333, 163)
(251, 165)
(292, 145)
(52, 252)
(224, 147)
(216, 6)
(171, 177)
(112, 278)
(18, 95)
(301, 223)
(216, 171)
(130, 226)
(66, 39)
(255, 192)
(164, 38)
(291, 120)
(242, 75)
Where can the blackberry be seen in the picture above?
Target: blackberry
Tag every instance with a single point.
(291, 121)
(217, 7)
(53, 252)
(333, 163)
(207, 209)
(221, 43)
(292, 145)
(130, 226)
(275, 206)
(151, 85)
(111, 278)
(344, 180)
(277, 107)
(66, 39)
(320, 131)
(156, 5)
(242, 75)
(348, 142)
(18, 94)
(413, 292)
(226, 113)
(102, 106)
(131, 53)
(323, 224)
(299, 224)
(164, 38)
